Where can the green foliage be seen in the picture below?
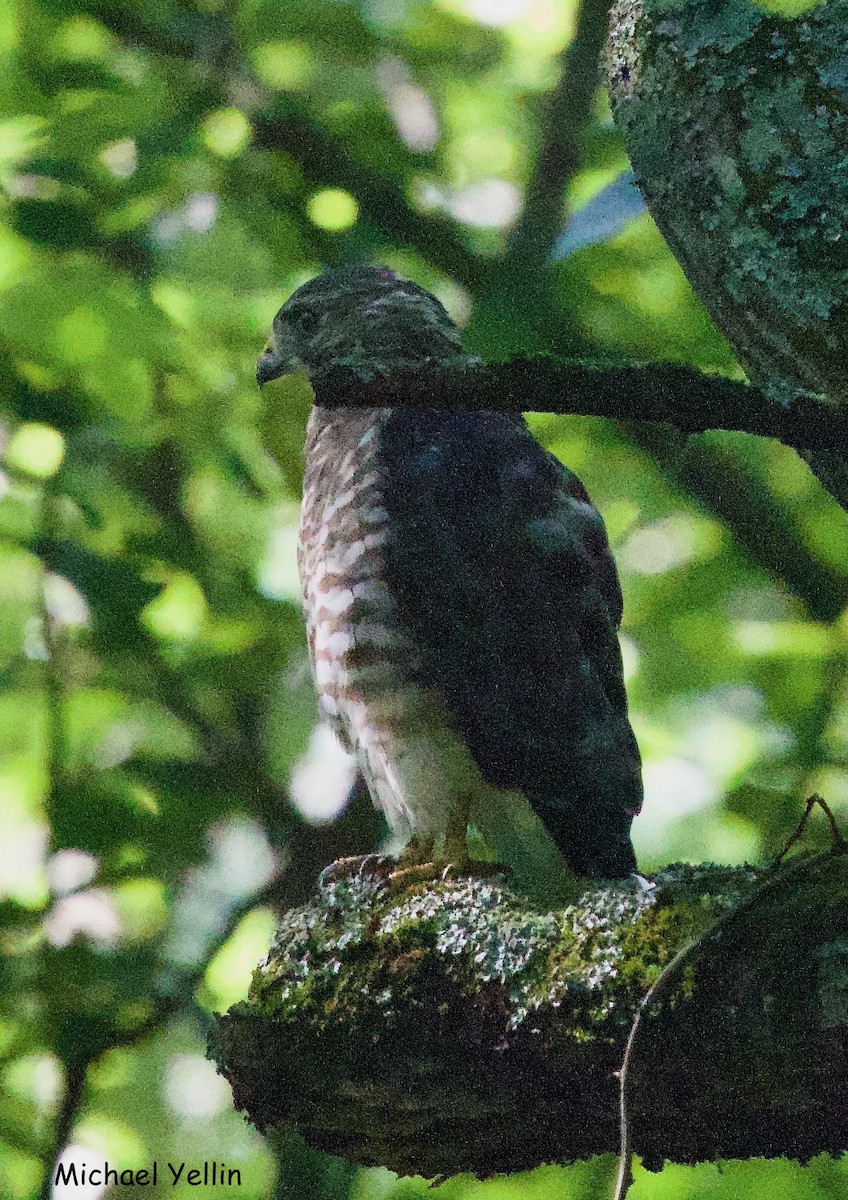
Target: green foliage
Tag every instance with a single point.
(171, 172)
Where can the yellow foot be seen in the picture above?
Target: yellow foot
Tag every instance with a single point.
(407, 876)
(359, 866)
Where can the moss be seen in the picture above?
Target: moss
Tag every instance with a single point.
(355, 952)
(453, 1028)
(737, 124)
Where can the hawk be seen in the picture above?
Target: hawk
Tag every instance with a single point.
(461, 601)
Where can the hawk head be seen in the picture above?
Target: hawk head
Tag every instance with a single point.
(365, 319)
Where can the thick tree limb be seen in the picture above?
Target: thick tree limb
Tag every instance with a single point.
(452, 1029)
(706, 94)
(717, 477)
(669, 392)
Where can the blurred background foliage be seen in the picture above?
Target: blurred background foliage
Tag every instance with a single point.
(170, 172)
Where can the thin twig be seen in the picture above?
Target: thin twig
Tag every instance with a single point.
(840, 845)
(799, 829)
(668, 973)
(75, 1077)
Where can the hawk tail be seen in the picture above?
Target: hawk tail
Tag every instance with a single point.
(595, 843)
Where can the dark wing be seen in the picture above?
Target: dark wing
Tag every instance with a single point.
(504, 577)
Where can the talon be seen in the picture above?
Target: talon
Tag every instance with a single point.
(355, 867)
(439, 872)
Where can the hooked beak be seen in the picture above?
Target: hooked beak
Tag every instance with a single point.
(271, 366)
(279, 356)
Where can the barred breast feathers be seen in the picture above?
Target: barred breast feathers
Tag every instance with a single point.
(344, 524)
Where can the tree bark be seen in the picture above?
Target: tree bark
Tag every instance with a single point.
(453, 1029)
(735, 121)
(657, 392)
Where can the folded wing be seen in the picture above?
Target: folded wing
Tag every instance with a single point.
(503, 575)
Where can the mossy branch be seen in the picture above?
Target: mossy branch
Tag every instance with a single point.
(667, 392)
(452, 1029)
(735, 122)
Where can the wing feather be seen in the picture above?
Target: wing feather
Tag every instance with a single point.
(503, 575)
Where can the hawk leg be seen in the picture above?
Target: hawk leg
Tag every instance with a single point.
(418, 862)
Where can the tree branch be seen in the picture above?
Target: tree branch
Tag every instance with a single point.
(646, 396)
(382, 201)
(668, 392)
(562, 125)
(452, 1029)
(718, 479)
(76, 1073)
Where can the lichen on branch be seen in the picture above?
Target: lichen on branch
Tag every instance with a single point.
(736, 121)
(453, 1028)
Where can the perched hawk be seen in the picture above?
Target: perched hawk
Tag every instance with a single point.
(461, 601)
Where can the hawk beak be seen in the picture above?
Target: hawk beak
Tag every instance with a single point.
(279, 356)
(271, 366)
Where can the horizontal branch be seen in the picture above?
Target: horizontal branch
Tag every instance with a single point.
(670, 392)
(452, 1028)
